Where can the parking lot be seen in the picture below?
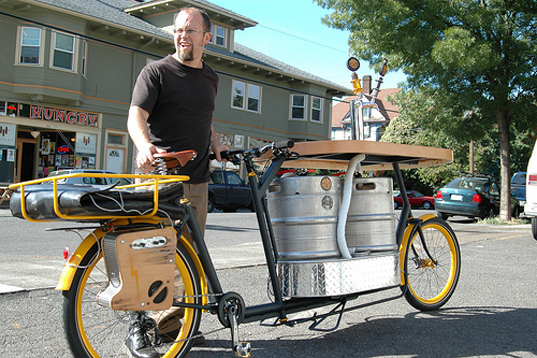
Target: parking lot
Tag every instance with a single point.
(492, 313)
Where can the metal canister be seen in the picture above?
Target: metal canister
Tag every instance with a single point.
(303, 212)
(371, 220)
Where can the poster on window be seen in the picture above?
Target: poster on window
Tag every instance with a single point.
(86, 143)
(11, 155)
(114, 160)
(45, 146)
(239, 141)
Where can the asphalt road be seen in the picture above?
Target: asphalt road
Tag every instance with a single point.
(493, 312)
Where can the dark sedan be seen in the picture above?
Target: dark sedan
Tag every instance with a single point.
(471, 196)
(416, 200)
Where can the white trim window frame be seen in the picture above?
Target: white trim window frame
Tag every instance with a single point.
(218, 35)
(63, 52)
(84, 69)
(246, 96)
(298, 107)
(116, 140)
(30, 49)
(316, 110)
(239, 95)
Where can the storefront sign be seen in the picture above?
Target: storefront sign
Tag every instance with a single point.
(86, 143)
(64, 116)
(63, 149)
(52, 114)
(8, 134)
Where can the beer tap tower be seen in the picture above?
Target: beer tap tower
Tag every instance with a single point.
(356, 105)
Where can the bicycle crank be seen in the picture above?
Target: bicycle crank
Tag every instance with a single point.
(231, 311)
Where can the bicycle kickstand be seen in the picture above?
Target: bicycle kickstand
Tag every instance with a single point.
(241, 349)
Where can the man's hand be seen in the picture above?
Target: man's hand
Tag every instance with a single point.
(145, 157)
(217, 148)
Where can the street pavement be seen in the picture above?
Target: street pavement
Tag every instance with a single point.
(493, 312)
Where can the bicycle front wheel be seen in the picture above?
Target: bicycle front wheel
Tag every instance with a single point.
(94, 331)
(432, 265)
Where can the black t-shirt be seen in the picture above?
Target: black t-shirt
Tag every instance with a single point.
(180, 101)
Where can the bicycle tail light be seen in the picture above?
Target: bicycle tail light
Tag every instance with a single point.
(66, 254)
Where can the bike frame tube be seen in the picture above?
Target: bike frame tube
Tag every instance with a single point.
(261, 210)
(257, 190)
(406, 211)
(202, 251)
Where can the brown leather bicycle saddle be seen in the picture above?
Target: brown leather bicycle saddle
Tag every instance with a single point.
(175, 159)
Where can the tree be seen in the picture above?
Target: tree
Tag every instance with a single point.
(476, 57)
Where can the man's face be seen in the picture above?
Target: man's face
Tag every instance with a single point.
(189, 36)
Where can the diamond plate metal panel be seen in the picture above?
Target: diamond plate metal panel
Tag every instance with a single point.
(338, 277)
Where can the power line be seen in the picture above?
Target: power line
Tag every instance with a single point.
(302, 38)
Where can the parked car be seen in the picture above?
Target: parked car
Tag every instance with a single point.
(88, 180)
(472, 196)
(518, 187)
(530, 209)
(415, 198)
(228, 192)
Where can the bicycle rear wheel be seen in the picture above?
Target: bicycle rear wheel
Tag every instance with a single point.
(432, 265)
(94, 331)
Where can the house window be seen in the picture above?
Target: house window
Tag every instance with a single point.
(30, 46)
(218, 35)
(246, 96)
(367, 113)
(254, 97)
(64, 51)
(84, 57)
(298, 106)
(116, 139)
(239, 91)
(316, 107)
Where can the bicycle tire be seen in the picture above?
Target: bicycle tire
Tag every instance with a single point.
(94, 331)
(431, 281)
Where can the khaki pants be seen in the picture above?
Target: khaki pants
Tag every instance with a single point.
(169, 321)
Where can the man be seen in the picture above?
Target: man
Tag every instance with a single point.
(171, 110)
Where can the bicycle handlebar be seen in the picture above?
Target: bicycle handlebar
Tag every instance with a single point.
(233, 155)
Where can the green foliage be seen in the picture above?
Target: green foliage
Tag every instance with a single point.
(470, 66)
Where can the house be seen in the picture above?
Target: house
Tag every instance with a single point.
(376, 118)
(68, 69)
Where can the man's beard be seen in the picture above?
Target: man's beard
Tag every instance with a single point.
(186, 54)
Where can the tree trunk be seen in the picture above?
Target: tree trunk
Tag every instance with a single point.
(505, 164)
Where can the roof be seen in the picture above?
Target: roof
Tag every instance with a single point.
(389, 111)
(148, 8)
(104, 11)
(120, 13)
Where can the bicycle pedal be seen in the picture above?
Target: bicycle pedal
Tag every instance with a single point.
(243, 349)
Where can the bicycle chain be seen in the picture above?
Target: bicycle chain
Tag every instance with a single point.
(195, 296)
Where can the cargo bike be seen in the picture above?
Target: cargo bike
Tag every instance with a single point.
(327, 241)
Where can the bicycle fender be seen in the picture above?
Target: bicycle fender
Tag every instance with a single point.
(203, 279)
(70, 267)
(402, 249)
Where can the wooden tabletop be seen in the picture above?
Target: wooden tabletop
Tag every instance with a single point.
(336, 154)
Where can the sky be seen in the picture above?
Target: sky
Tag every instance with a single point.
(291, 31)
